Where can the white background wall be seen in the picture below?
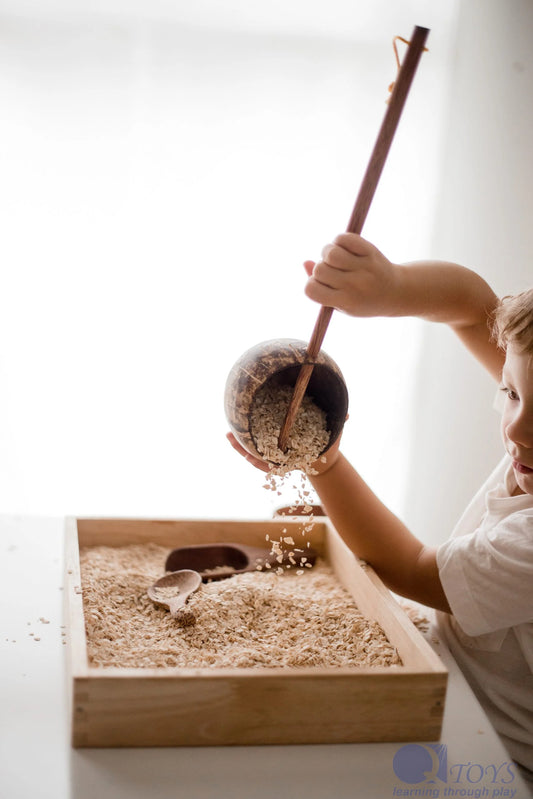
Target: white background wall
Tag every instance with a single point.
(483, 220)
(166, 168)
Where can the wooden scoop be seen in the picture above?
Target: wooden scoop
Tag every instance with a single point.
(216, 561)
(173, 591)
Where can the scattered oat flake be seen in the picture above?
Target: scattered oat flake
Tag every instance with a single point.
(416, 615)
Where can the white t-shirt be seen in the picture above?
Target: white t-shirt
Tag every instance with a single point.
(486, 569)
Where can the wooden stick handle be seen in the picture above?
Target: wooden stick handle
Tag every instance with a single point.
(360, 211)
(387, 130)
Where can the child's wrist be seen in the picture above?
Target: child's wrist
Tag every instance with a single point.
(399, 290)
(321, 466)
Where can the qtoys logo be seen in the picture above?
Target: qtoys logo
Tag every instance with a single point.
(426, 767)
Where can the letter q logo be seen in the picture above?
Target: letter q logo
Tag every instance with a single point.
(415, 763)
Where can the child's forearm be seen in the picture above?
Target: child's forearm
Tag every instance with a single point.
(367, 526)
(454, 295)
(440, 291)
(377, 536)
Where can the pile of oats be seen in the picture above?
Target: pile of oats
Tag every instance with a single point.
(249, 620)
(309, 435)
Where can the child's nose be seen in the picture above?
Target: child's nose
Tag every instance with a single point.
(520, 429)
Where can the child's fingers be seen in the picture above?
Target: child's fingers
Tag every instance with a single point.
(245, 454)
(354, 243)
(329, 276)
(339, 258)
(309, 266)
(321, 293)
(236, 446)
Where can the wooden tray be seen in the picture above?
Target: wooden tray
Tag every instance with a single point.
(202, 707)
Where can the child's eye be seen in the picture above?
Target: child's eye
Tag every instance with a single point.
(512, 395)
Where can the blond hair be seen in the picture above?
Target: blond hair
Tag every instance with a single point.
(512, 321)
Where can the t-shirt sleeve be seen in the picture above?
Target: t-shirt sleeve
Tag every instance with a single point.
(488, 576)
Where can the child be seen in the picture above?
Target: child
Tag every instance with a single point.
(481, 579)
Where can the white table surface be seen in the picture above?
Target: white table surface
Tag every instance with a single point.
(37, 762)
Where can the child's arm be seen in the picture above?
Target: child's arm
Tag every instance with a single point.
(376, 535)
(356, 278)
(371, 530)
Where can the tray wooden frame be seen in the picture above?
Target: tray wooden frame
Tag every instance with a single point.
(201, 707)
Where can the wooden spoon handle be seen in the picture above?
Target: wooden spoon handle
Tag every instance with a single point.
(387, 130)
(177, 603)
(360, 211)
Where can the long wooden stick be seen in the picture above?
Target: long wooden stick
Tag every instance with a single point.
(359, 213)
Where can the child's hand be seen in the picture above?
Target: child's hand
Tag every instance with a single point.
(259, 464)
(353, 277)
(318, 467)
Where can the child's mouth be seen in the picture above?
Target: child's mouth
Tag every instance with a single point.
(519, 467)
